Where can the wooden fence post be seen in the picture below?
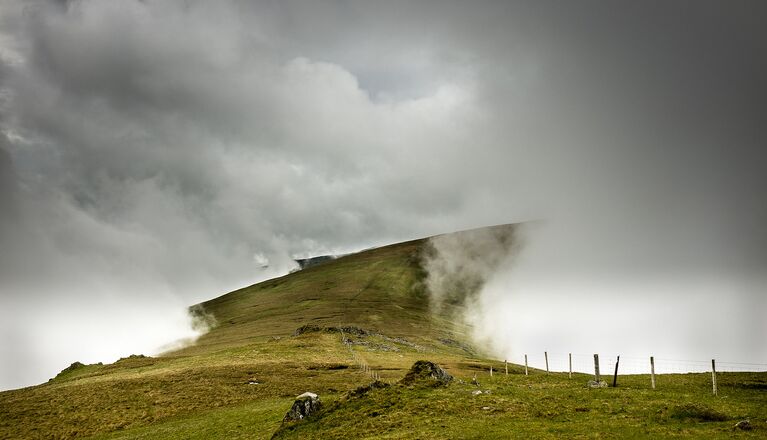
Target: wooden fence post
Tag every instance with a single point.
(652, 371)
(506, 365)
(713, 375)
(525, 365)
(570, 357)
(546, 355)
(615, 376)
(596, 367)
(491, 371)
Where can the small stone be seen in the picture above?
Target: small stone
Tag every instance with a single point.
(744, 425)
(595, 384)
(485, 408)
(476, 392)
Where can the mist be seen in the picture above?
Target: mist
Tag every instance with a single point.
(591, 295)
(157, 154)
(459, 264)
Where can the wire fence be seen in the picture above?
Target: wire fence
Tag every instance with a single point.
(358, 360)
(584, 363)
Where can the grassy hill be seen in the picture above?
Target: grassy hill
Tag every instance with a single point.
(333, 328)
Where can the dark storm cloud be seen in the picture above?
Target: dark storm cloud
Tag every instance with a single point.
(157, 153)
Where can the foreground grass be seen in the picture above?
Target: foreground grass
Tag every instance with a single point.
(548, 406)
(253, 420)
(176, 398)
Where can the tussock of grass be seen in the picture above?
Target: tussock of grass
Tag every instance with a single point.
(697, 411)
(752, 385)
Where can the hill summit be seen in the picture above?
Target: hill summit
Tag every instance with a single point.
(382, 290)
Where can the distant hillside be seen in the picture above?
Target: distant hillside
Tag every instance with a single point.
(379, 289)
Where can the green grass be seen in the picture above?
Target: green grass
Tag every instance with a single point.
(545, 406)
(205, 390)
(252, 420)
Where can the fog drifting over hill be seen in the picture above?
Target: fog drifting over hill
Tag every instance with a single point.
(155, 154)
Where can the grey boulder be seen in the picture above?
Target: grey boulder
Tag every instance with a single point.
(305, 405)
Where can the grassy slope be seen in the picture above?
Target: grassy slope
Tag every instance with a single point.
(377, 290)
(547, 406)
(203, 391)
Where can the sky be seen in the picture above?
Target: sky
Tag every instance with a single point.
(154, 154)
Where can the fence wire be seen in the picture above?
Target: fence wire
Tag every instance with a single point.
(584, 363)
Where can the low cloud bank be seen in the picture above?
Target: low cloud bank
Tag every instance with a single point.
(564, 289)
(117, 328)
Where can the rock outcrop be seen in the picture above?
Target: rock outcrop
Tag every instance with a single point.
(428, 373)
(305, 405)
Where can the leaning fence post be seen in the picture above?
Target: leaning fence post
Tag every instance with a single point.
(615, 376)
(570, 357)
(546, 355)
(525, 365)
(652, 371)
(713, 375)
(596, 367)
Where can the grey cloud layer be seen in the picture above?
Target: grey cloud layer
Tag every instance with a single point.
(158, 152)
